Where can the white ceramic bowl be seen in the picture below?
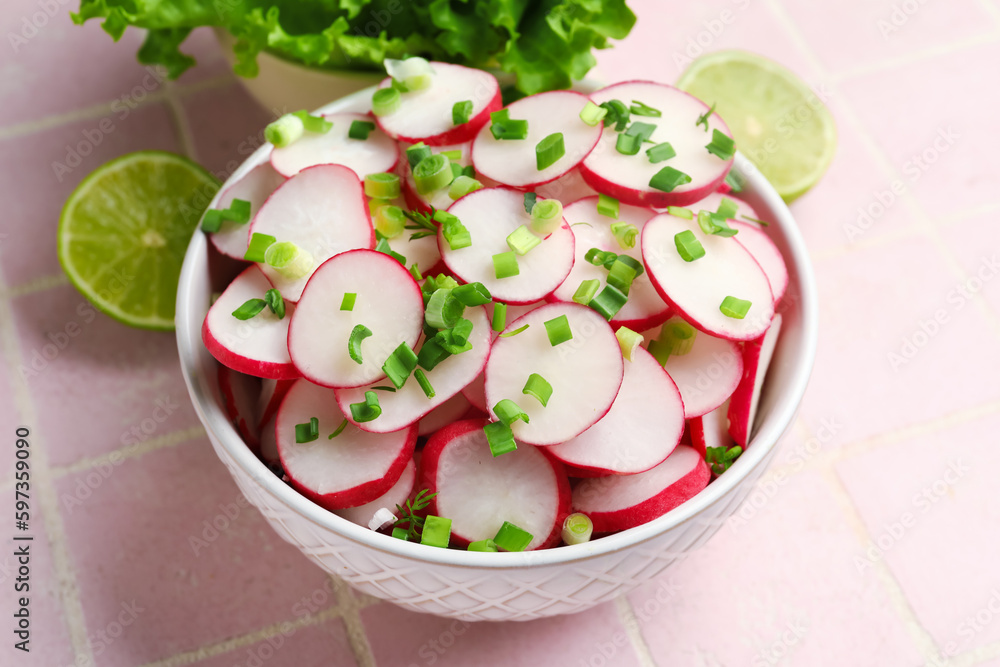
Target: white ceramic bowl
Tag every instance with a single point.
(506, 586)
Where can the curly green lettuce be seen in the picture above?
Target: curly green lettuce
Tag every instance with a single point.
(545, 44)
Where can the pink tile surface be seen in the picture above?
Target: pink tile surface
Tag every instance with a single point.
(980, 262)
(312, 646)
(8, 409)
(192, 545)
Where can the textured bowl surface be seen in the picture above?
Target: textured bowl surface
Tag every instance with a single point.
(507, 586)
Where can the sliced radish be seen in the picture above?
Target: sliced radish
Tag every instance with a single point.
(426, 115)
(437, 199)
(760, 245)
(743, 405)
(239, 393)
(625, 501)
(491, 215)
(256, 346)
(352, 469)
(585, 373)
(707, 375)
(697, 289)
(272, 392)
(479, 492)
(475, 393)
(626, 177)
(387, 301)
(269, 441)
(567, 188)
(322, 210)
(711, 430)
(409, 404)
(644, 308)
(451, 410)
(376, 154)
(397, 495)
(642, 427)
(513, 162)
(714, 200)
(255, 187)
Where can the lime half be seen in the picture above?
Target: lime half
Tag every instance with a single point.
(778, 122)
(124, 231)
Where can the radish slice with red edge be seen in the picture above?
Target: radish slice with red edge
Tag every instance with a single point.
(513, 161)
(641, 429)
(567, 188)
(269, 441)
(479, 492)
(349, 470)
(387, 301)
(450, 411)
(760, 245)
(272, 392)
(256, 346)
(743, 405)
(255, 187)
(584, 372)
(436, 199)
(378, 153)
(322, 210)
(491, 215)
(644, 308)
(714, 200)
(711, 430)
(239, 392)
(408, 404)
(697, 289)
(397, 495)
(627, 177)
(620, 502)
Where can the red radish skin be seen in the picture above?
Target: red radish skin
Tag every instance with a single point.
(425, 115)
(625, 501)
(743, 405)
(475, 393)
(255, 187)
(711, 430)
(644, 308)
(450, 411)
(397, 495)
(762, 248)
(569, 187)
(513, 162)
(323, 211)
(378, 153)
(238, 393)
(272, 392)
(478, 492)
(626, 177)
(585, 373)
(388, 302)
(256, 346)
(697, 289)
(350, 470)
(640, 430)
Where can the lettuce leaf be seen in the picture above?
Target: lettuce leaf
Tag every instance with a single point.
(545, 44)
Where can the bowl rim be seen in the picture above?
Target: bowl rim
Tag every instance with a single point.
(224, 434)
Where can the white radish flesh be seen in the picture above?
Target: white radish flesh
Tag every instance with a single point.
(450, 411)
(711, 430)
(322, 210)
(491, 215)
(378, 153)
(743, 405)
(387, 301)
(397, 495)
(642, 427)
(760, 245)
(349, 470)
(585, 373)
(567, 188)
(255, 187)
(714, 200)
(513, 161)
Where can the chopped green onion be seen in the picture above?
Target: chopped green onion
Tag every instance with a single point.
(608, 302)
(659, 350)
(386, 101)
(249, 309)
(642, 130)
(679, 335)
(307, 432)
(472, 294)
(607, 206)
(549, 150)
(289, 260)
(385, 387)
(577, 529)
(681, 212)
(456, 339)
(340, 429)
(500, 438)
(712, 223)
(463, 185)
(399, 365)
(522, 240)
(720, 459)
(546, 216)
(284, 131)
(455, 233)
(433, 173)
(389, 221)
(628, 340)
(461, 112)
(416, 153)
(272, 298)
(515, 331)
(735, 308)
(621, 275)
(424, 383)
(586, 291)
(640, 109)
(314, 124)
(509, 412)
(721, 145)
(529, 201)
(618, 114)
(499, 316)
(668, 179)
(432, 353)
(401, 533)
(735, 182)
(703, 119)
(358, 334)
(259, 243)
(628, 144)
(762, 223)
(599, 257)
(382, 186)
(625, 233)
(660, 152)
(558, 330)
(483, 545)
(505, 265)
(688, 246)
(632, 263)
(503, 128)
(538, 387)
(453, 155)
(348, 301)
(443, 310)
(383, 247)
(456, 171)
(415, 272)
(238, 212)
(211, 222)
(591, 114)
(367, 411)
(436, 532)
(469, 170)
(512, 538)
(360, 129)
(727, 209)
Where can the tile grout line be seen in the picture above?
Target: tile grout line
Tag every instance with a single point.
(977, 656)
(357, 635)
(41, 284)
(991, 9)
(180, 119)
(171, 439)
(916, 57)
(626, 614)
